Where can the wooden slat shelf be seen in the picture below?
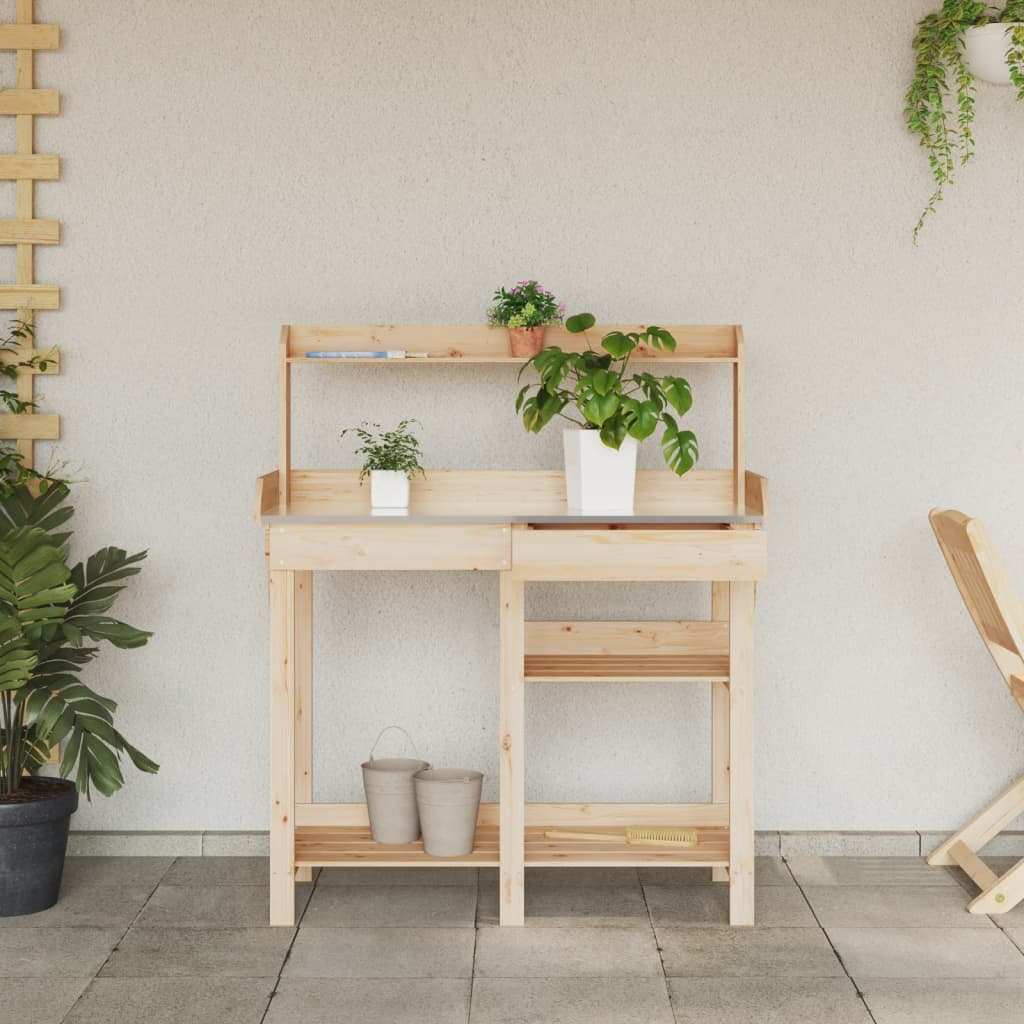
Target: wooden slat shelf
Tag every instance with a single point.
(326, 846)
(626, 667)
(638, 357)
(712, 850)
(331, 846)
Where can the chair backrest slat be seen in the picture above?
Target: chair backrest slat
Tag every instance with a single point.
(984, 585)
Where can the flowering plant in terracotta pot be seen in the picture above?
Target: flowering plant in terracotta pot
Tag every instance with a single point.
(527, 310)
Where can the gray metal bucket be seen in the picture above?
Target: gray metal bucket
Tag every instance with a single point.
(391, 796)
(449, 802)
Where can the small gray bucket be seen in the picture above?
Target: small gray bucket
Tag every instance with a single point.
(390, 794)
(448, 801)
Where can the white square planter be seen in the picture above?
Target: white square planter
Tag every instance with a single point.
(598, 478)
(389, 489)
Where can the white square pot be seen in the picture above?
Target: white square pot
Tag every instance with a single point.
(598, 478)
(985, 49)
(389, 488)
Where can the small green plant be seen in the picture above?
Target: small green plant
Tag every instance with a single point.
(52, 616)
(13, 471)
(943, 128)
(525, 304)
(606, 397)
(396, 450)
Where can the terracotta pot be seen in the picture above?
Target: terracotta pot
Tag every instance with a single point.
(526, 341)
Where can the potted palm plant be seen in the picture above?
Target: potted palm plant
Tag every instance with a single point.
(954, 46)
(52, 617)
(612, 410)
(390, 458)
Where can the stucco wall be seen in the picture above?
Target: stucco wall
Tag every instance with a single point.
(232, 166)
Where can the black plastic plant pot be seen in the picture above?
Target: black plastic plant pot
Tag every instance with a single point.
(33, 841)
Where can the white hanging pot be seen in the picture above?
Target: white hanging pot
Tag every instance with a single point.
(389, 489)
(598, 478)
(985, 49)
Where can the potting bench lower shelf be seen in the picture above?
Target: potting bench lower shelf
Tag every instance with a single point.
(706, 526)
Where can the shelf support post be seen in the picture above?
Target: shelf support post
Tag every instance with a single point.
(282, 746)
(741, 752)
(719, 721)
(304, 697)
(512, 795)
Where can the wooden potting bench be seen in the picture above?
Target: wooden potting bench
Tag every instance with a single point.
(705, 526)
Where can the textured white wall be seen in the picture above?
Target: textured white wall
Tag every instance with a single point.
(231, 166)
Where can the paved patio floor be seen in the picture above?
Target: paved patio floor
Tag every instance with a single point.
(838, 941)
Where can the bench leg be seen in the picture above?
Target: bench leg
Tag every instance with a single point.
(741, 753)
(512, 769)
(984, 826)
(304, 697)
(720, 722)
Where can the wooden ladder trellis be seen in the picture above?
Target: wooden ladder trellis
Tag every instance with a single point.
(25, 167)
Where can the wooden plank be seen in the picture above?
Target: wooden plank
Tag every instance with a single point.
(266, 494)
(282, 748)
(443, 546)
(29, 37)
(626, 667)
(741, 754)
(471, 342)
(984, 826)
(511, 755)
(29, 296)
(29, 232)
(304, 697)
(980, 873)
(756, 495)
(284, 420)
(509, 492)
(29, 101)
(1003, 895)
(720, 717)
(29, 167)
(626, 637)
(30, 426)
(50, 356)
(642, 554)
(739, 438)
(333, 815)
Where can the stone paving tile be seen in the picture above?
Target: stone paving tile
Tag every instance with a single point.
(39, 1000)
(774, 906)
(566, 953)
(927, 953)
(876, 871)
(766, 1001)
(572, 907)
(119, 871)
(173, 1001)
(370, 1001)
(398, 876)
(570, 1001)
(385, 906)
(382, 953)
(915, 906)
(235, 844)
(214, 906)
(767, 871)
(219, 871)
(945, 1001)
(199, 952)
(747, 953)
(55, 952)
(104, 906)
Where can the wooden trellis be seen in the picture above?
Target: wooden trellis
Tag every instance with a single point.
(25, 167)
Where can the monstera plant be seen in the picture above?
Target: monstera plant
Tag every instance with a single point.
(53, 619)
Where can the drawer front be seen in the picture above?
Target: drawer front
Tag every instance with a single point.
(539, 554)
(392, 546)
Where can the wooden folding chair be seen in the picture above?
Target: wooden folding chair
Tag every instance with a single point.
(999, 615)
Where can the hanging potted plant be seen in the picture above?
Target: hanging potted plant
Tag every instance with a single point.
(963, 41)
(52, 616)
(390, 458)
(527, 310)
(611, 410)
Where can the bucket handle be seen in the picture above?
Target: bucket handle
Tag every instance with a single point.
(401, 730)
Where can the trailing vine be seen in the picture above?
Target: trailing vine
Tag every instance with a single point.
(940, 101)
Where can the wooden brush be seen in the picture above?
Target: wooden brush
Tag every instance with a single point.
(635, 835)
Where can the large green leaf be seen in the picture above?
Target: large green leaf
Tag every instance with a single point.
(679, 447)
(45, 510)
(600, 408)
(579, 323)
(618, 344)
(96, 593)
(642, 418)
(35, 582)
(677, 393)
(17, 659)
